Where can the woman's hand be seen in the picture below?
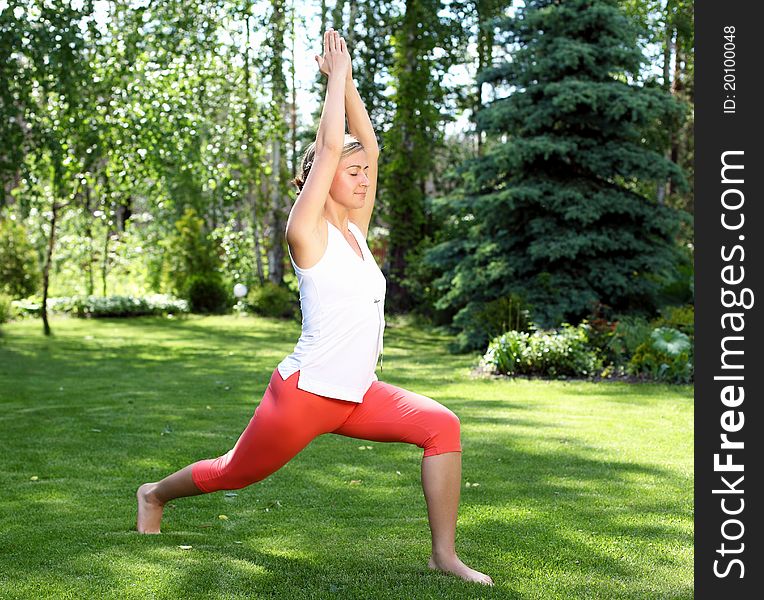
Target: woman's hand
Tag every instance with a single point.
(336, 57)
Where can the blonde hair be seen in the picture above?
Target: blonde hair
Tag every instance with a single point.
(351, 144)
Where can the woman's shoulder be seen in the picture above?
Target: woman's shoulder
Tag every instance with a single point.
(311, 248)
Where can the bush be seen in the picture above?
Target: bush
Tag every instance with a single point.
(666, 356)
(207, 294)
(6, 309)
(191, 254)
(271, 300)
(19, 272)
(110, 306)
(678, 317)
(480, 322)
(556, 352)
(628, 334)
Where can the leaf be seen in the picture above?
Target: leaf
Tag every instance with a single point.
(355, 481)
(34, 478)
(223, 517)
(185, 547)
(671, 341)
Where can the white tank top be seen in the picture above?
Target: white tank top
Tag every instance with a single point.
(342, 298)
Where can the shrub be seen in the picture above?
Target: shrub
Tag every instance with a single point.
(6, 309)
(480, 322)
(628, 334)
(556, 352)
(207, 294)
(666, 356)
(271, 300)
(191, 253)
(110, 306)
(678, 317)
(19, 272)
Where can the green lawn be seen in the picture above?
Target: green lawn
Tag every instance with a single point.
(585, 490)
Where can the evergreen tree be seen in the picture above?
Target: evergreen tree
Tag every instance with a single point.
(551, 212)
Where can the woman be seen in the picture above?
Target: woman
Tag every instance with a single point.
(328, 384)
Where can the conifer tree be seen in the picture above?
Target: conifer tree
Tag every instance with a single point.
(551, 212)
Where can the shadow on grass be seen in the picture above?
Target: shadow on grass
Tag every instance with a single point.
(545, 510)
(335, 526)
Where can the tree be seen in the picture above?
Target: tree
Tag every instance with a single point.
(551, 211)
(426, 44)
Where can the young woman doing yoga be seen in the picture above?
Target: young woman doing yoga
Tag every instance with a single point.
(328, 384)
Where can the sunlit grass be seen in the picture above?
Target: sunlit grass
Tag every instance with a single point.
(576, 490)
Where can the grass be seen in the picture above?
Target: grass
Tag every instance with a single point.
(583, 490)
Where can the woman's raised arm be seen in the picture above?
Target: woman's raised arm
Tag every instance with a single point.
(302, 225)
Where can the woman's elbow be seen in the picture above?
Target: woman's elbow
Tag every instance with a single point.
(328, 147)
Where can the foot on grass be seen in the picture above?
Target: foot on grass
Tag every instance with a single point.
(452, 564)
(149, 509)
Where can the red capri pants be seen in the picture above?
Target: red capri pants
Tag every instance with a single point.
(288, 419)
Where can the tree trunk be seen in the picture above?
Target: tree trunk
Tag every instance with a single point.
(276, 249)
(105, 261)
(279, 136)
(46, 268)
(252, 199)
(349, 33)
(124, 211)
(293, 107)
(89, 235)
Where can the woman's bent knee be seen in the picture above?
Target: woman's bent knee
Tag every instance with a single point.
(446, 433)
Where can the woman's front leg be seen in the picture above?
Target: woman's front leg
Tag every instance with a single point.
(441, 481)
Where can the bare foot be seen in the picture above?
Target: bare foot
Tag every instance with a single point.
(149, 509)
(452, 564)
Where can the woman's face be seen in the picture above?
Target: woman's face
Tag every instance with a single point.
(351, 181)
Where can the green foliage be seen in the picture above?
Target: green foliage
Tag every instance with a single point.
(678, 317)
(551, 210)
(6, 309)
(109, 306)
(480, 322)
(272, 300)
(419, 64)
(678, 287)
(192, 255)
(616, 341)
(206, 293)
(237, 251)
(554, 353)
(19, 271)
(666, 356)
